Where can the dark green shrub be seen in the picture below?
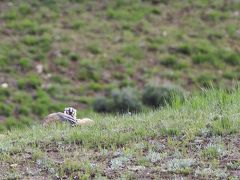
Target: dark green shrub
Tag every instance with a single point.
(170, 61)
(25, 64)
(126, 100)
(2, 127)
(30, 82)
(25, 9)
(157, 96)
(25, 26)
(4, 93)
(40, 109)
(94, 48)
(3, 61)
(24, 110)
(210, 58)
(233, 59)
(121, 101)
(6, 109)
(206, 80)
(185, 49)
(95, 86)
(134, 51)
(89, 72)
(21, 97)
(12, 123)
(30, 40)
(11, 15)
(102, 104)
(74, 57)
(77, 24)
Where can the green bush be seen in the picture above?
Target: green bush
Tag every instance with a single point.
(157, 96)
(74, 57)
(170, 61)
(185, 49)
(25, 64)
(126, 100)
(29, 82)
(134, 51)
(233, 59)
(121, 101)
(206, 80)
(78, 24)
(2, 127)
(4, 93)
(24, 110)
(94, 48)
(25, 9)
(6, 109)
(12, 123)
(205, 58)
(102, 104)
(24, 26)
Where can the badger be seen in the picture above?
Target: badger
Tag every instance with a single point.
(69, 115)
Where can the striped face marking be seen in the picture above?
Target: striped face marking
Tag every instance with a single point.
(71, 111)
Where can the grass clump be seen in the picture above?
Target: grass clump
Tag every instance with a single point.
(31, 81)
(157, 96)
(122, 101)
(129, 143)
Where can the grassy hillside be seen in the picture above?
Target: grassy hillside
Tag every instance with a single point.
(199, 139)
(55, 53)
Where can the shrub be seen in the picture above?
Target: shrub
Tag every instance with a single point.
(157, 96)
(170, 61)
(25, 9)
(25, 64)
(6, 110)
(74, 57)
(205, 58)
(12, 123)
(102, 104)
(125, 100)
(30, 82)
(206, 80)
(122, 101)
(185, 49)
(24, 110)
(134, 51)
(25, 25)
(77, 24)
(4, 93)
(89, 72)
(233, 59)
(94, 48)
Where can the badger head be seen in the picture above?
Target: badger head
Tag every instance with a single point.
(71, 111)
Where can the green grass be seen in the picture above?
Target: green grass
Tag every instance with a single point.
(179, 140)
(96, 46)
(89, 48)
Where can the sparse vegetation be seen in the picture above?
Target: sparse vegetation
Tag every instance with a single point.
(131, 145)
(157, 96)
(57, 53)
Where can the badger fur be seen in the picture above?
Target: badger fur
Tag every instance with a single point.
(64, 117)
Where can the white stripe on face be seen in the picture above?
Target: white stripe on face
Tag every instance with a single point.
(70, 111)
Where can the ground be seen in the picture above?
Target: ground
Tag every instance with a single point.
(58, 52)
(199, 139)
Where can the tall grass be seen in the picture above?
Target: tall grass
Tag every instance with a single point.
(216, 110)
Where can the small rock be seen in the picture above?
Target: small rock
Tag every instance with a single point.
(39, 68)
(136, 168)
(4, 85)
(13, 165)
(164, 33)
(2, 136)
